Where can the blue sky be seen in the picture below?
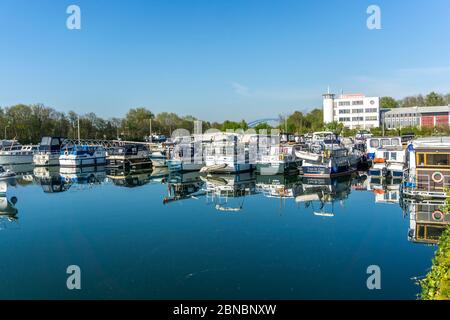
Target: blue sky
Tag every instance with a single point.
(218, 59)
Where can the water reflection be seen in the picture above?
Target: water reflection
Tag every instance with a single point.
(227, 192)
(324, 191)
(426, 220)
(8, 211)
(50, 180)
(181, 186)
(126, 179)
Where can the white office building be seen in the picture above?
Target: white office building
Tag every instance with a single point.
(355, 111)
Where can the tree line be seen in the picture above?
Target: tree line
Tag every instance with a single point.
(430, 100)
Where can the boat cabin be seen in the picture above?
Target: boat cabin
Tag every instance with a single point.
(374, 143)
(50, 144)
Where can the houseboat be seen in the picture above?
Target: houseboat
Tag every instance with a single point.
(227, 154)
(428, 172)
(129, 156)
(278, 160)
(17, 154)
(48, 152)
(82, 156)
(389, 161)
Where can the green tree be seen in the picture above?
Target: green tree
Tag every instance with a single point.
(434, 99)
(388, 103)
(137, 123)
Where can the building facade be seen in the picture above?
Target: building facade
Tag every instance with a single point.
(416, 117)
(355, 111)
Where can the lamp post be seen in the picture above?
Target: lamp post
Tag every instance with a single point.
(6, 126)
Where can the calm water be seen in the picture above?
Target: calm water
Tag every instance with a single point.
(149, 237)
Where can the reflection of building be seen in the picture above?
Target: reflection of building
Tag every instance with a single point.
(352, 110)
(280, 186)
(427, 221)
(416, 117)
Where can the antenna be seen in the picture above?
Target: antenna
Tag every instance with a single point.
(328, 89)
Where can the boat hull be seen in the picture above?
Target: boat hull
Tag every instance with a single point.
(178, 166)
(6, 159)
(46, 160)
(325, 172)
(271, 169)
(82, 162)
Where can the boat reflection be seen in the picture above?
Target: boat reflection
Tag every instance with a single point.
(24, 173)
(224, 190)
(279, 186)
(129, 179)
(83, 175)
(427, 220)
(385, 190)
(183, 186)
(50, 180)
(8, 211)
(324, 191)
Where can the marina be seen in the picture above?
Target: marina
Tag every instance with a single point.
(242, 208)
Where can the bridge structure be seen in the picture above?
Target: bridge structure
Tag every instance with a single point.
(254, 123)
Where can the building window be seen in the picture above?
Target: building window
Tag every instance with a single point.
(344, 103)
(358, 119)
(344, 119)
(344, 111)
(372, 118)
(372, 110)
(358, 103)
(358, 111)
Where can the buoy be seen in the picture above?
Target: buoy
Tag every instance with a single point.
(438, 215)
(436, 179)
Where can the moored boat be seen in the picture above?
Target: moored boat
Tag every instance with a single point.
(82, 155)
(48, 152)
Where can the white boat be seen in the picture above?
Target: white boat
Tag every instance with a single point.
(17, 154)
(186, 156)
(81, 156)
(389, 162)
(279, 160)
(227, 154)
(374, 143)
(48, 152)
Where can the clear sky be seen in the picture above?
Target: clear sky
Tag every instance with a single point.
(218, 59)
